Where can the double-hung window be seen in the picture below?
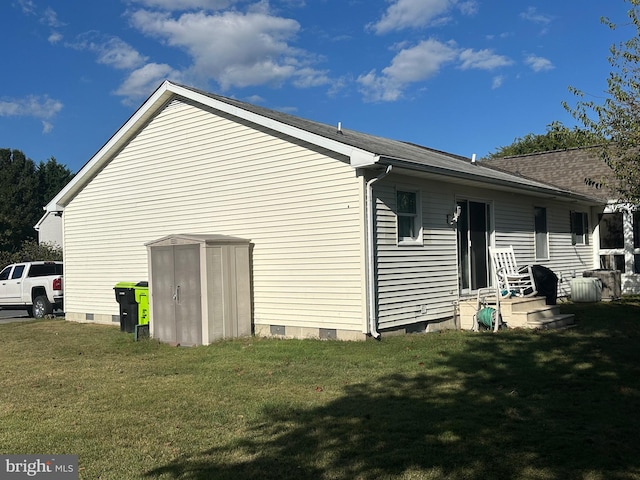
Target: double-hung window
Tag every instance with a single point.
(579, 228)
(541, 233)
(409, 221)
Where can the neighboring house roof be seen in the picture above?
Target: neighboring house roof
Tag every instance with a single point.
(579, 170)
(363, 150)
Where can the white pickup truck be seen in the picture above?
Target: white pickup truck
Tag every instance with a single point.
(36, 287)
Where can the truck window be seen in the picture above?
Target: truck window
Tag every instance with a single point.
(4, 275)
(42, 270)
(17, 272)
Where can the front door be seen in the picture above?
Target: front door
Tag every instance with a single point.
(474, 234)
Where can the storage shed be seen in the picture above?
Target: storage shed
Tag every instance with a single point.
(200, 287)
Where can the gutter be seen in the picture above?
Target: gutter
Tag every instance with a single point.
(371, 277)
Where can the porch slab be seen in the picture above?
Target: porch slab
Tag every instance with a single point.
(518, 312)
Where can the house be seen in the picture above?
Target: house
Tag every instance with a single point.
(616, 230)
(351, 234)
(49, 229)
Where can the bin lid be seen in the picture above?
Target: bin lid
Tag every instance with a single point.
(125, 285)
(142, 284)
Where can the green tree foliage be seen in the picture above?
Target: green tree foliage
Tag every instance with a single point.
(618, 117)
(557, 137)
(24, 189)
(31, 250)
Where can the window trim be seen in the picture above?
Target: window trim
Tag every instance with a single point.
(417, 217)
(545, 232)
(585, 228)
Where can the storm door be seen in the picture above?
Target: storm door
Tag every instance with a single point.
(474, 234)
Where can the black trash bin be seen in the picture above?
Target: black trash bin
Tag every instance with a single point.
(546, 283)
(126, 297)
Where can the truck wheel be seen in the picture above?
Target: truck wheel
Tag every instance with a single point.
(41, 307)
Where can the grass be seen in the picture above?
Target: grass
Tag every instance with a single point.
(454, 405)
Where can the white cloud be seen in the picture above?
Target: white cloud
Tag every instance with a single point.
(176, 5)
(377, 88)
(41, 107)
(482, 59)
(404, 14)
(27, 6)
(497, 82)
(143, 81)
(469, 8)
(421, 62)
(409, 66)
(531, 14)
(50, 18)
(539, 64)
(55, 37)
(233, 48)
(111, 51)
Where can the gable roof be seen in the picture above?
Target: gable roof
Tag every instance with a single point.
(579, 170)
(362, 150)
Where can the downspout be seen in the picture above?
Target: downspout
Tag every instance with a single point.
(371, 283)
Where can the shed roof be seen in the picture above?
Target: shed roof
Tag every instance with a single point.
(362, 150)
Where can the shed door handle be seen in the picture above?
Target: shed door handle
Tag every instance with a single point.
(176, 297)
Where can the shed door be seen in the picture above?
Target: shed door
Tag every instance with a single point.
(188, 310)
(164, 319)
(176, 294)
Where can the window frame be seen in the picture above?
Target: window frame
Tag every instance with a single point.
(416, 216)
(18, 270)
(576, 237)
(544, 255)
(2, 274)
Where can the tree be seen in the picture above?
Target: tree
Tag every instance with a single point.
(24, 190)
(617, 118)
(19, 200)
(52, 176)
(558, 137)
(29, 251)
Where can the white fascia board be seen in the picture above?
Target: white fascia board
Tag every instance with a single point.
(358, 157)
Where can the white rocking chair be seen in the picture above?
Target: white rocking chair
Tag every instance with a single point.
(512, 280)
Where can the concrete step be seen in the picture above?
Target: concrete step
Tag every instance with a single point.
(528, 312)
(522, 318)
(521, 304)
(563, 320)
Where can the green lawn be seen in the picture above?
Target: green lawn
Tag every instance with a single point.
(455, 405)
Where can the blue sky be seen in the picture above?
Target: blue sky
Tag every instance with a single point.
(463, 76)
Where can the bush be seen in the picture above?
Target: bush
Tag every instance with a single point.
(32, 251)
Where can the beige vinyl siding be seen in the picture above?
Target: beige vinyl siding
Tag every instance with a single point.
(193, 171)
(514, 226)
(416, 283)
(420, 283)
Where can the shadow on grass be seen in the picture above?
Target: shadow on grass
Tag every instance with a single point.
(561, 405)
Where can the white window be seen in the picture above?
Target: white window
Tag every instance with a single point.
(579, 228)
(408, 217)
(541, 233)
